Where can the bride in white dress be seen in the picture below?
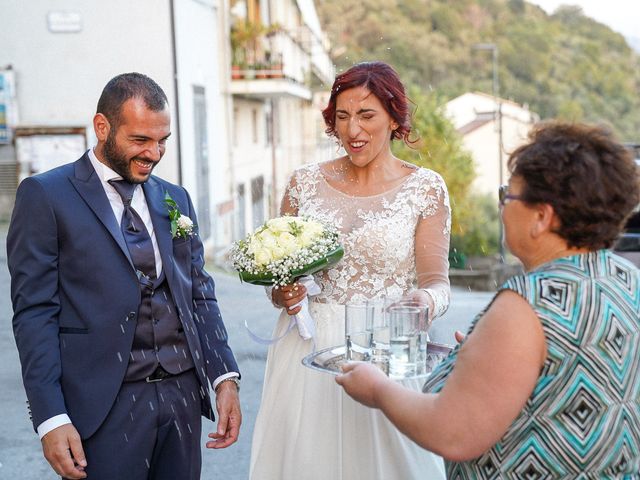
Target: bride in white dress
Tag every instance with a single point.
(394, 223)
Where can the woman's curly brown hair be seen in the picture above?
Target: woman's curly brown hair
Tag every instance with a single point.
(589, 179)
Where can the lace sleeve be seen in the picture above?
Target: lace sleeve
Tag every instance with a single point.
(432, 246)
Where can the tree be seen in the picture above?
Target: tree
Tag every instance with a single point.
(439, 148)
(565, 64)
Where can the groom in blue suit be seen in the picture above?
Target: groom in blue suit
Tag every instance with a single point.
(115, 319)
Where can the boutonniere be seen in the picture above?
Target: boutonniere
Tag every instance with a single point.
(181, 225)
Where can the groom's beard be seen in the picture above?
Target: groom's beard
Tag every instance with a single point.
(118, 161)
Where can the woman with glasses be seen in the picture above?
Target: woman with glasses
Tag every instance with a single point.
(547, 382)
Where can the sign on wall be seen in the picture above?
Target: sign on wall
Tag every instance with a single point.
(8, 111)
(41, 149)
(64, 22)
(4, 127)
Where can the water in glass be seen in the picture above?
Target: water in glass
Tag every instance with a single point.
(404, 324)
(357, 332)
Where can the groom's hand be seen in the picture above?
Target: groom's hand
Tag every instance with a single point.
(62, 448)
(229, 416)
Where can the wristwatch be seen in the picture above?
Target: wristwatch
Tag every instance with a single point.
(229, 379)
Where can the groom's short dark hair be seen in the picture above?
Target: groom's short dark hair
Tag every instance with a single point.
(125, 86)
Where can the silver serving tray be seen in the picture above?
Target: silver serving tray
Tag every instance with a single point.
(329, 360)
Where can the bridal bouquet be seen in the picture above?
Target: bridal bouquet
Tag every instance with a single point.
(284, 249)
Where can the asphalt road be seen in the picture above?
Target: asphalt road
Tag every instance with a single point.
(20, 452)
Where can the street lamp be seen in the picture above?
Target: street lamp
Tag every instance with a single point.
(495, 87)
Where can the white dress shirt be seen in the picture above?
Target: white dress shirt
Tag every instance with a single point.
(139, 204)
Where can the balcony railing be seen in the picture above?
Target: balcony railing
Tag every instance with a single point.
(273, 52)
(240, 72)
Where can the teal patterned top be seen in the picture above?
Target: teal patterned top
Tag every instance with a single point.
(583, 417)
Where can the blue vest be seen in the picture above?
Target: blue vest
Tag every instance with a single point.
(159, 337)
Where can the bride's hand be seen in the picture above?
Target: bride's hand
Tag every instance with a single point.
(288, 296)
(421, 297)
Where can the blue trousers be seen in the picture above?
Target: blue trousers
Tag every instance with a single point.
(151, 433)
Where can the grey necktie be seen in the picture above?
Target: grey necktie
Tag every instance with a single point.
(135, 233)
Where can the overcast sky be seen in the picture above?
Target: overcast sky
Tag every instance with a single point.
(623, 16)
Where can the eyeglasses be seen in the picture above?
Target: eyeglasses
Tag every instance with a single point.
(504, 195)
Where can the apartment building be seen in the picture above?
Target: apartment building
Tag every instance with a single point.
(280, 73)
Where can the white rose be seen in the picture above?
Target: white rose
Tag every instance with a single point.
(277, 252)
(310, 234)
(314, 228)
(287, 242)
(185, 223)
(279, 224)
(263, 256)
(254, 244)
(306, 239)
(268, 239)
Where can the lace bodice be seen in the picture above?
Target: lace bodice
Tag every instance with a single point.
(393, 242)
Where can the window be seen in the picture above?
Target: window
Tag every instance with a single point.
(254, 124)
(257, 201)
(236, 123)
(202, 160)
(240, 212)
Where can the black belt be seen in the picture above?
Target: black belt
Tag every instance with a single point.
(158, 375)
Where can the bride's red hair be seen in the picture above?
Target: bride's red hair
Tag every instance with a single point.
(381, 80)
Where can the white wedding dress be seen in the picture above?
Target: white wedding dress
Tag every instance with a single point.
(307, 428)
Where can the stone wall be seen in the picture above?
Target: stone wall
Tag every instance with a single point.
(484, 274)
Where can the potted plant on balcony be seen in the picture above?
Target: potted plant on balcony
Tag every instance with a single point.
(262, 70)
(237, 71)
(243, 35)
(272, 65)
(275, 68)
(246, 44)
(250, 71)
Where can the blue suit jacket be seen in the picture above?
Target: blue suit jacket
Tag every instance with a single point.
(75, 294)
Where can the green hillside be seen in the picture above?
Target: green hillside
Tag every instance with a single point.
(562, 65)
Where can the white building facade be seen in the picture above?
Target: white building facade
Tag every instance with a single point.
(61, 55)
(281, 71)
(491, 129)
(235, 138)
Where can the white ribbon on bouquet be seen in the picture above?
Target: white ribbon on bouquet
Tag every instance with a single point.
(303, 319)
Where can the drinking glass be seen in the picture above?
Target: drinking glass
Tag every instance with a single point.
(404, 323)
(379, 333)
(423, 336)
(357, 331)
